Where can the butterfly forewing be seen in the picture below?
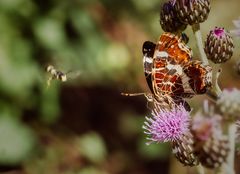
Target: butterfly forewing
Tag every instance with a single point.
(148, 51)
(168, 77)
(176, 49)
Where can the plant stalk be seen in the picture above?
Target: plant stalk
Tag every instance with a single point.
(198, 36)
(200, 169)
(216, 91)
(231, 156)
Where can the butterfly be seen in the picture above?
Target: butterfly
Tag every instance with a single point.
(170, 72)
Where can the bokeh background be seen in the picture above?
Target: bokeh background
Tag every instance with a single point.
(84, 126)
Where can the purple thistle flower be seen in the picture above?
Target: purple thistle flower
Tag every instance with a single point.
(236, 32)
(205, 126)
(167, 125)
(219, 32)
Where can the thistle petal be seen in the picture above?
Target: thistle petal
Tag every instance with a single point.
(167, 125)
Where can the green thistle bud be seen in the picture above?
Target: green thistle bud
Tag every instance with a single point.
(210, 144)
(192, 11)
(184, 151)
(168, 19)
(214, 152)
(229, 103)
(219, 45)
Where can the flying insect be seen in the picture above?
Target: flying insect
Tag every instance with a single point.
(55, 74)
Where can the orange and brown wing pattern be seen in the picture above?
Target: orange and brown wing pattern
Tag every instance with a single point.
(200, 76)
(170, 80)
(177, 50)
(174, 75)
(161, 78)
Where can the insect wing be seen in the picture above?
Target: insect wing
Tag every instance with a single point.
(73, 74)
(148, 51)
(199, 75)
(176, 49)
(168, 77)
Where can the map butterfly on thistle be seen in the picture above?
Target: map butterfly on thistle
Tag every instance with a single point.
(171, 73)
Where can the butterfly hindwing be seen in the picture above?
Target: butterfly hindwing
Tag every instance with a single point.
(199, 75)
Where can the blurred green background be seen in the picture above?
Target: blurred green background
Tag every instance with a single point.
(84, 126)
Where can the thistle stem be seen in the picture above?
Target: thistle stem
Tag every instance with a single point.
(198, 36)
(226, 169)
(216, 91)
(217, 88)
(231, 156)
(200, 169)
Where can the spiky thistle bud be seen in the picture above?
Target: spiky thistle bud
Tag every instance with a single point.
(192, 11)
(237, 67)
(238, 133)
(229, 103)
(168, 19)
(219, 45)
(184, 151)
(210, 145)
(214, 152)
(236, 31)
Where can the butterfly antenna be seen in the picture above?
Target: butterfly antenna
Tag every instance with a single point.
(132, 94)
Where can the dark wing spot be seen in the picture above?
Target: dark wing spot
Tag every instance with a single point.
(148, 48)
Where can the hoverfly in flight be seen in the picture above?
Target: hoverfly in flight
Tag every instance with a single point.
(57, 74)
